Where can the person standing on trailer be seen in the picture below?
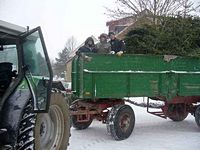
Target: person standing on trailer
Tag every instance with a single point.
(103, 47)
(117, 46)
(88, 47)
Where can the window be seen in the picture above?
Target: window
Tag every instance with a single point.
(34, 55)
(38, 71)
(9, 54)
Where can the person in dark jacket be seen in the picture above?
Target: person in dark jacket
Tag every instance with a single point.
(117, 46)
(88, 47)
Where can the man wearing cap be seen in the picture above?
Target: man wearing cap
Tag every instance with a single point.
(103, 47)
(117, 46)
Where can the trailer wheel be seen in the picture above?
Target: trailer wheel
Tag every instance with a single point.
(45, 131)
(177, 112)
(80, 125)
(197, 116)
(120, 122)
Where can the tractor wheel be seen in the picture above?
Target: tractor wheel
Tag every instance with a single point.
(120, 122)
(177, 112)
(25, 139)
(45, 131)
(197, 116)
(80, 125)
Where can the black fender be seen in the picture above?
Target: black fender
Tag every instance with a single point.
(58, 85)
(11, 115)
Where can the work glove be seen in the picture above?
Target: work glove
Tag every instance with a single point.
(119, 53)
(87, 58)
(112, 52)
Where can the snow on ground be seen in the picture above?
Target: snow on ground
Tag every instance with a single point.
(150, 133)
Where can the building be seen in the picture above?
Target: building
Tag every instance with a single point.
(122, 26)
(117, 26)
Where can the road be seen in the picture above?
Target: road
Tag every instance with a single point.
(150, 133)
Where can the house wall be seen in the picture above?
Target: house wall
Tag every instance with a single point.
(121, 22)
(127, 23)
(140, 21)
(69, 70)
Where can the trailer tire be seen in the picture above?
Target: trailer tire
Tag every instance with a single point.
(177, 112)
(121, 122)
(80, 125)
(44, 131)
(197, 116)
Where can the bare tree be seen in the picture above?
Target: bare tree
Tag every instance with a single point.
(132, 7)
(188, 7)
(63, 56)
(71, 44)
(156, 8)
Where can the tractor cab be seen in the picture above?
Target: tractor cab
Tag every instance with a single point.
(24, 64)
(8, 57)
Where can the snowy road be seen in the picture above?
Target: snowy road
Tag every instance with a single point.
(150, 133)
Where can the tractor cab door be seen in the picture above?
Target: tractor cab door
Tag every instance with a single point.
(38, 72)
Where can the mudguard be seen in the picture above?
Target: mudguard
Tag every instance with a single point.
(11, 115)
(58, 85)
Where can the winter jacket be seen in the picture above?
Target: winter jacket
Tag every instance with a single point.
(117, 45)
(103, 47)
(87, 48)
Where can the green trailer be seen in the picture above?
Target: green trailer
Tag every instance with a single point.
(101, 85)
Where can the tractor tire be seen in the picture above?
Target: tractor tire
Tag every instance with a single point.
(45, 131)
(80, 125)
(25, 139)
(176, 112)
(121, 122)
(197, 116)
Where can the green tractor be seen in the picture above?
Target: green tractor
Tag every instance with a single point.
(34, 113)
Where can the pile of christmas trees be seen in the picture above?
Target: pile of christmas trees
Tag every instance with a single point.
(171, 36)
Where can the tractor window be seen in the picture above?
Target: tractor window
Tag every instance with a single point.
(8, 66)
(9, 54)
(37, 69)
(34, 55)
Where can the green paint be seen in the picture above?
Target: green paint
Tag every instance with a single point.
(110, 76)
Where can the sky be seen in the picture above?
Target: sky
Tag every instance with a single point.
(59, 19)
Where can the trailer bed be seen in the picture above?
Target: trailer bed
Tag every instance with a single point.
(111, 76)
